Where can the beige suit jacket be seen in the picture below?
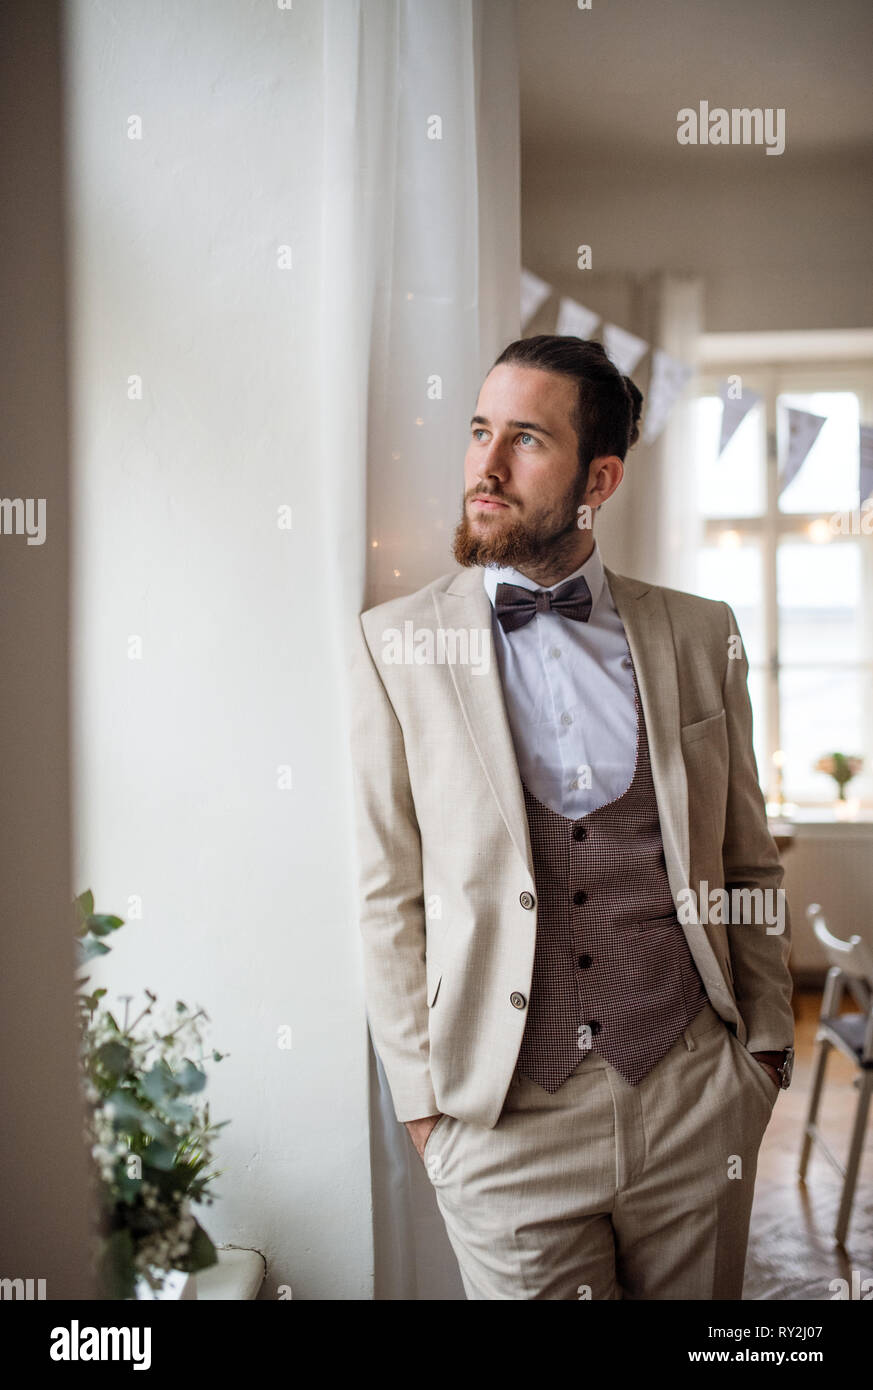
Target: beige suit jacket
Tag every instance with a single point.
(448, 910)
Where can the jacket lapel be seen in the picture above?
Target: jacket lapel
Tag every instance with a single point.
(465, 604)
(643, 612)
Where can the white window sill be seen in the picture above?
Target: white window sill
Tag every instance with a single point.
(820, 822)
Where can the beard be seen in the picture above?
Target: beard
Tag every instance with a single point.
(547, 536)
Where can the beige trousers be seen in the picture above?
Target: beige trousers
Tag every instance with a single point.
(606, 1190)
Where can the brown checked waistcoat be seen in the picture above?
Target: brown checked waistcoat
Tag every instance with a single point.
(613, 972)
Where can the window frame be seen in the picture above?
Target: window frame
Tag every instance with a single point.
(771, 378)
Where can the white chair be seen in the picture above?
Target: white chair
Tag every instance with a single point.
(851, 969)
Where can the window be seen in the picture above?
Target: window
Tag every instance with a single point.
(795, 566)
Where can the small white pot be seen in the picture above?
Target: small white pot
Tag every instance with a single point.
(178, 1286)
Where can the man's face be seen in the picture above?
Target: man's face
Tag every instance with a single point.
(522, 482)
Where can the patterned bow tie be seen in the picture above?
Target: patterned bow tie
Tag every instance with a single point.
(515, 605)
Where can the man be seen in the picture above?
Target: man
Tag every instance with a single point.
(555, 784)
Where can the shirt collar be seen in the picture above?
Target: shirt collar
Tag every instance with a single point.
(592, 569)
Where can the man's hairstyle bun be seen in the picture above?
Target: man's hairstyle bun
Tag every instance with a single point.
(635, 397)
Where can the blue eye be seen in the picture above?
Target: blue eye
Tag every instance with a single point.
(528, 436)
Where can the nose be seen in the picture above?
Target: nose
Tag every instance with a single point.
(493, 463)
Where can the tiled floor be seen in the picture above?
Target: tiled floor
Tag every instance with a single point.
(792, 1253)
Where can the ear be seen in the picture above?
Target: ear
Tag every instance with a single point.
(604, 475)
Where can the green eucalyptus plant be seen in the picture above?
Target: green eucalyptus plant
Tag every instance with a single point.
(149, 1131)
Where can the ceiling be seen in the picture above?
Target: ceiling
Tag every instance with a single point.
(607, 83)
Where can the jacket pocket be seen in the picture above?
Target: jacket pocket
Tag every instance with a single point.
(689, 733)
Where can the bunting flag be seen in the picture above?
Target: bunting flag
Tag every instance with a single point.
(534, 293)
(804, 429)
(624, 348)
(865, 462)
(734, 413)
(575, 321)
(666, 384)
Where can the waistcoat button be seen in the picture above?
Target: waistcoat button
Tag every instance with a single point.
(526, 899)
(580, 896)
(579, 832)
(584, 962)
(517, 1000)
(594, 1026)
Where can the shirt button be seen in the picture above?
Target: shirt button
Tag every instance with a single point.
(580, 896)
(566, 718)
(584, 962)
(579, 832)
(517, 1000)
(526, 899)
(626, 661)
(556, 651)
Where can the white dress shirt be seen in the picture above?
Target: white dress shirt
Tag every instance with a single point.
(569, 693)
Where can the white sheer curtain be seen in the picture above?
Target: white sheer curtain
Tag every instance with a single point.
(421, 275)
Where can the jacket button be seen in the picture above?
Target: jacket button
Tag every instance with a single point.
(526, 899)
(580, 896)
(517, 1000)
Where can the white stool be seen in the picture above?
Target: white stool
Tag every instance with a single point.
(851, 968)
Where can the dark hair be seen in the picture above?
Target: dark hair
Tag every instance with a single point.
(608, 405)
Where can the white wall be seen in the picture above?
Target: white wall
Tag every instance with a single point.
(780, 243)
(248, 904)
